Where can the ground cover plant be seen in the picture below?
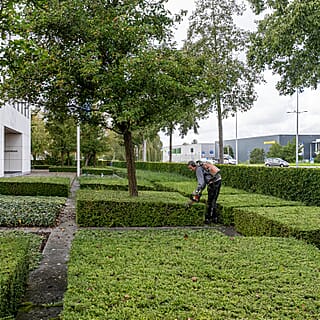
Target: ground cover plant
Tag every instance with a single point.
(110, 208)
(27, 211)
(190, 274)
(35, 186)
(19, 254)
(302, 222)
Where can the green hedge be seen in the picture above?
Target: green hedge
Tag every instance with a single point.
(35, 186)
(151, 208)
(227, 203)
(107, 183)
(15, 257)
(296, 184)
(301, 222)
(62, 169)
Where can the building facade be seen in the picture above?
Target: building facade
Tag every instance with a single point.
(310, 145)
(184, 153)
(187, 152)
(15, 139)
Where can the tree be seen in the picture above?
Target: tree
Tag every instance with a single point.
(287, 41)
(63, 139)
(214, 37)
(257, 155)
(40, 139)
(106, 58)
(275, 151)
(287, 152)
(92, 142)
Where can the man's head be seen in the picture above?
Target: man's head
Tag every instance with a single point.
(192, 165)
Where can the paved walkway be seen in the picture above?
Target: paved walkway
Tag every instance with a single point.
(47, 284)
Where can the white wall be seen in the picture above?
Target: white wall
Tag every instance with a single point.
(15, 139)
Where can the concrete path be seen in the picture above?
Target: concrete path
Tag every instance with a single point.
(48, 283)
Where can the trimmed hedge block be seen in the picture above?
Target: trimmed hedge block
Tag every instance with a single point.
(35, 186)
(301, 222)
(227, 203)
(108, 183)
(13, 272)
(150, 208)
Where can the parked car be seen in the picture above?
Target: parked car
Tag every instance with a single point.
(276, 162)
(227, 159)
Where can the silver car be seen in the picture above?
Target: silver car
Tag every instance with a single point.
(276, 162)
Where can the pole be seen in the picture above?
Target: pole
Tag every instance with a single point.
(297, 133)
(237, 137)
(78, 150)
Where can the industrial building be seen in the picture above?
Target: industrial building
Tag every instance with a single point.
(183, 153)
(15, 139)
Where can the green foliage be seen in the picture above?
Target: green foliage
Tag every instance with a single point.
(287, 42)
(17, 254)
(28, 211)
(115, 208)
(301, 222)
(298, 184)
(111, 183)
(228, 203)
(214, 37)
(35, 186)
(190, 274)
(257, 155)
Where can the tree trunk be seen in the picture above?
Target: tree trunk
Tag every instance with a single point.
(220, 130)
(131, 166)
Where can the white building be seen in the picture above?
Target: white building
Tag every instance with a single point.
(186, 152)
(15, 139)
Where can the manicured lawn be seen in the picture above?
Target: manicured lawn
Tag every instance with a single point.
(190, 274)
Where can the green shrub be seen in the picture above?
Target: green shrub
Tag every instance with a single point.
(35, 186)
(151, 208)
(16, 258)
(111, 183)
(62, 169)
(98, 171)
(301, 222)
(227, 203)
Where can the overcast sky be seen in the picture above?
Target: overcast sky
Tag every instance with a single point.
(269, 113)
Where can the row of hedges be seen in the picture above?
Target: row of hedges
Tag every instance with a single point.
(16, 259)
(112, 208)
(296, 184)
(35, 186)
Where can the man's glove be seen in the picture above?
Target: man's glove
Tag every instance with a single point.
(195, 197)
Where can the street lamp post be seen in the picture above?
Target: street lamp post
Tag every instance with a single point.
(297, 128)
(237, 161)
